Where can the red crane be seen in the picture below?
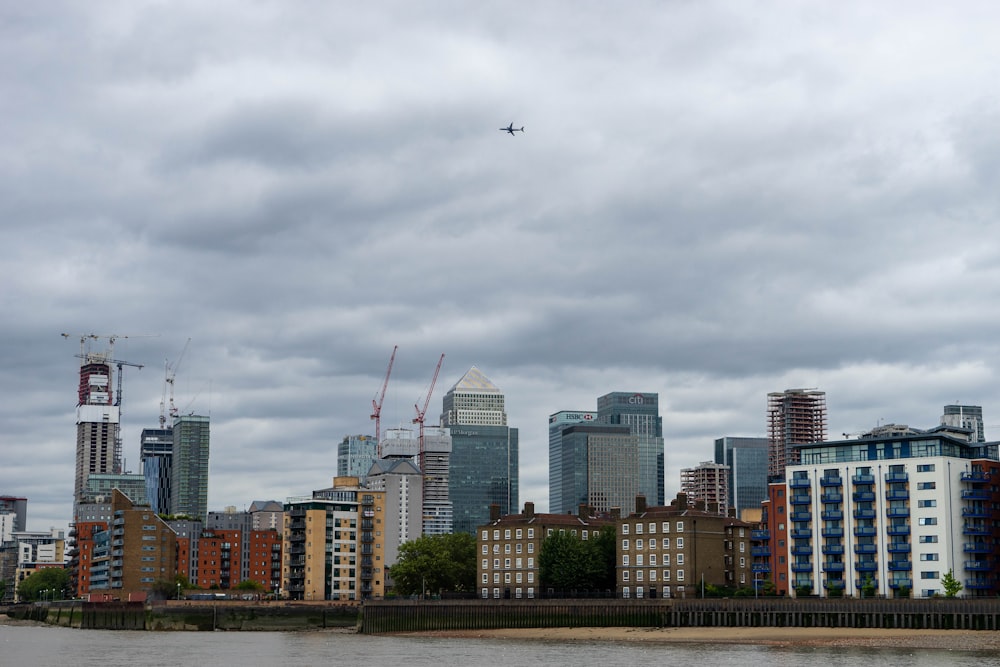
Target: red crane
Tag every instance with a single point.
(419, 419)
(377, 404)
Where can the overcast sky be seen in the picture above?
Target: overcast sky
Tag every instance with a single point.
(710, 201)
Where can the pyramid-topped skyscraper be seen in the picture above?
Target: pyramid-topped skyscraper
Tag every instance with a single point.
(483, 466)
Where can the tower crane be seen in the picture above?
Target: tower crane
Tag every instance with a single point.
(169, 373)
(377, 404)
(419, 419)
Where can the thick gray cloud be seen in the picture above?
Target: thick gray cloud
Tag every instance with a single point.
(709, 201)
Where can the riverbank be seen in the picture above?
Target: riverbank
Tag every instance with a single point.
(949, 640)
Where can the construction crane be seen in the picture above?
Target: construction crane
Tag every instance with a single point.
(169, 373)
(377, 404)
(419, 419)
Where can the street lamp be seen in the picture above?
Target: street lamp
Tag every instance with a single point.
(178, 590)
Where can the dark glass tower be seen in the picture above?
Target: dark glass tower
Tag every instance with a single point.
(641, 413)
(483, 468)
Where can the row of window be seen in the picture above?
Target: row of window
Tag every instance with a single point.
(518, 576)
(651, 527)
(506, 563)
(652, 542)
(650, 575)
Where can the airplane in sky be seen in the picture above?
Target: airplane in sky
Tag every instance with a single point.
(511, 129)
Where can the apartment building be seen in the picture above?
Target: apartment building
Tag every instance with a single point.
(890, 516)
(508, 547)
(676, 550)
(333, 544)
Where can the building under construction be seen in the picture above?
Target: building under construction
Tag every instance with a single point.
(794, 417)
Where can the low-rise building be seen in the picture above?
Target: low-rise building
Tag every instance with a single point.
(508, 547)
(676, 550)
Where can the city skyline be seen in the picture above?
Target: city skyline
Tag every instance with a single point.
(710, 202)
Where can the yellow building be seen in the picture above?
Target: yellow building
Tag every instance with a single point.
(333, 544)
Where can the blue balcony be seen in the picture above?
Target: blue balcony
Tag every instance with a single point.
(978, 584)
(977, 548)
(760, 567)
(801, 499)
(899, 547)
(897, 512)
(977, 565)
(975, 494)
(758, 552)
(897, 495)
(864, 496)
(893, 477)
(975, 477)
(834, 584)
(897, 530)
(833, 532)
(865, 566)
(832, 515)
(833, 567)
(865, 548)
(977, 512)
(863, 479)
(798, 483)
(802, 551)
(803, 567)
(864, 514)
(833, 549)
(761, 535)
(861, 583)
(800, 516)
(864, 531)
(900, 566)
(975, 529)
(901, 583)
(802, 533)
(831, 481)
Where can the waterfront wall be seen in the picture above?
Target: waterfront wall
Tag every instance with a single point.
(388, 616)
(416, 616)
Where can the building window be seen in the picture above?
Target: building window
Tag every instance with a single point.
(624, 560)
(925, 467)
(506, 563)
(927, 521)
(624, 529)
(680, 559)
(666, 575)
(496, 534)
(486, 548)
(928, 539)
(680, 542)
(531, 547)
(638, 544)
(517, 534)
(486, 534)
(680, 575)
(531, 533)
(652, 527)
(652, 575)
(624, 545)
(924, 486)
(624, 575)
(625, 592)
(929, 574)
(652, 558)
(926, 557)
(666, 542)
(638, 575)
(638, 529)
(927, 503)
(680, 526)
(638, 559)
(506, 534)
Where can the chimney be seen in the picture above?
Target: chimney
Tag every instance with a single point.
(529, 510)
(615, 512)
(681, 502)
(640, 504)
(584, 511)
(713, 507)
(494, 512)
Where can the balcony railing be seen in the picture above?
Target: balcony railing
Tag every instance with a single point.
(977, 512)
(760, 567)
(891, 477)
(801, 533)
(977, 548)
(833, 549)
(864, 496)
(978, 584)
(762, 535)
(865, 548)
(803, 567)
(802, 551)
(833, 567)
(897, 512)
(864, 514)
(975, 477)
(900, 565)
(800, 516)
(831, 498)
(975, 529)
(863, 479)
(900, 583)
(897, 495)
(833, 532)
(759, 552)
(864, 531)
(899, 547)
(975, 494)
(865, 566)
(977, 565)
(801, 499)
(799, 483)
(897, 530)
(832, 515)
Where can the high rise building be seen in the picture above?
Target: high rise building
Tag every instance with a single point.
(707, 487)
(966, 416)
(189, 467)
(438, 510)
(17, 508)
(97, 423)
(402, 485)
(156, 451)
(560, 474)
(794, 417)
(483, 468)
(598, 467)
(641, 413)
(355, 455)
(100, 486)
(747, 461)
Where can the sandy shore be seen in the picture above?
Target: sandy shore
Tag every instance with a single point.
(953, 640)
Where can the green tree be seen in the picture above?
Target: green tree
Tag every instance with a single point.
(249, 585)
(53, 580)
(435, 563)
(951, 585)
(567, 562)
(868, 587)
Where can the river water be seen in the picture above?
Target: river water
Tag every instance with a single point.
(43, 646)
